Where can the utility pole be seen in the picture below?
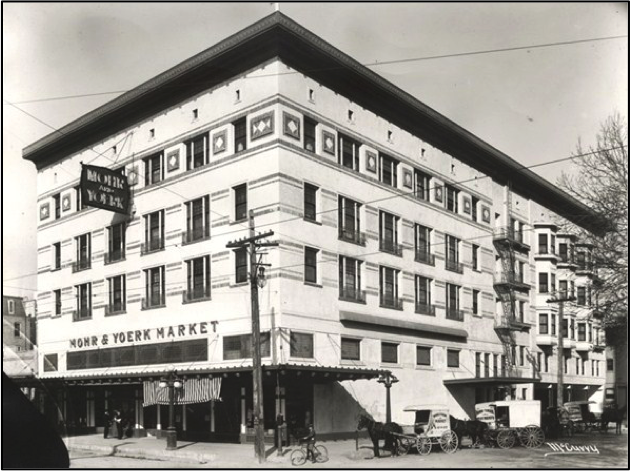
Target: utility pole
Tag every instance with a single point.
(254, 266)
(560, 299)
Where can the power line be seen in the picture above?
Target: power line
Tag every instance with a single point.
(369, 64)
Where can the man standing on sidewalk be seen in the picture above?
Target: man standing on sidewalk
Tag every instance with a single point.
(108, 422)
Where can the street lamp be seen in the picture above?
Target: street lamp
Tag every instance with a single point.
(388, 380)
(171, 382)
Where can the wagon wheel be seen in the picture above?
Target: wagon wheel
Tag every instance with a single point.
(506, 439)
(531, 436)
(423, 445)
(404, 445)
(449, 442)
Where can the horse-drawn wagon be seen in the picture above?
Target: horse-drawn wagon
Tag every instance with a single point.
(512, 420)
(580, 416)
(431, 427)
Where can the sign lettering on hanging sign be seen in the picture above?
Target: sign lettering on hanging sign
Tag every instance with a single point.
(105, 189)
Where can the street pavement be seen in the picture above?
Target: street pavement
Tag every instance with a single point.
(95, 452)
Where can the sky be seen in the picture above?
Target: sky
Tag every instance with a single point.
(533, 104)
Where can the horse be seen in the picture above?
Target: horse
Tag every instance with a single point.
(475, 429)
(378, 431)
(613, 414)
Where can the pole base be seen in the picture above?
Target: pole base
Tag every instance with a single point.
(171, 439)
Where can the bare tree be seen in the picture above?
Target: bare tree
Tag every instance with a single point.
(601, 182)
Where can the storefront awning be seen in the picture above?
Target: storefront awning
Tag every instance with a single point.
(382, 321)
(332, 373)
(496, 380)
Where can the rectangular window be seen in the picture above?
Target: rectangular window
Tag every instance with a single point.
(572, 324)
(543, 282)
(310, 202)
(57, 256)
(610, 364)
(546, 365)
(452, 358)
(521, 311)
(84, 252)
(348, 152)
(521, 356)
(423, 245)
(423, 355)
(473, 208)
(422, 185)
(581, 295)
(452, 302)
(197, 279)
(84, 301)
(452, 254)
(350, 280)
(486, 365)
(495, 365)
(552, 285)
(477, 365)
(565, 328)
(310, 264)
(115, 243)
(197, 220)
(80, 204)
(563, 287)
(388, 170)
(154, 288)
(57, 201)
(57, 302)
(310, 127)
(388, 288)
(240, 134)
(581, 332)
(563, 252)
(389, 352)
(17, 329)
(153, 169)
(553, 324)
(475, 301)
(239, 347)
(350, 349)
(543, 244)
(452, 195)
(475, 257)
(240, 256)
(388, 233)
(423, 296)
(117, 298)
(543, 324)
(153, 232)
(301, 345)
(197, 151)
(349, 221)
(240, 202)
(552, 244)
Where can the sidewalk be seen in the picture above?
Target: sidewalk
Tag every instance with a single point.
(218, 454)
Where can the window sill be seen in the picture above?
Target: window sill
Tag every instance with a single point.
(312, 221)
(55, 269)
(117, 313)
(240, 284)
(352, 300)
(351, 362)
(149, 252)
(80, 320)
(150, 308)
(314, 285)
(390, 365)
(425, 367)
(198, 300)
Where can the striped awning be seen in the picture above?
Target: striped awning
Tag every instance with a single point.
(193, 391)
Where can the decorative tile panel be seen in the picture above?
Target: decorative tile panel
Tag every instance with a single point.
(262, 125)
(328, 140)
(485, 214)
(467, 204)
(407, 178)
(172, 160)
(66, 202)
(290, 125)
(44, 211)
(438, 193)
(219, 142)
(370, 161)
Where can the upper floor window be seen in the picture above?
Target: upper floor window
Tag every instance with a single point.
(301, 345)
(563, 252)
(350, 349)
(475, 257)
(552, 244)
(197, 220)
(422, 241)
(153, 169)
(240, 135)
(553, 324)
(348, 152)
(309, 134)
(543, 244)
(452, 195)
(57, 256)
(84, 256)
(543, 282)
(452, 358)
(452, 302)
(350, 221)
(238, 347)
(57, 293)
(473, 208)
(388, 288)
(17, 329)
(197, 153)
(423, 296)
(197, 279)
(350, 279)
(389, 352)
(154, 287)
(240, 256)
(84, 301)
(115, 242)
(11, 306)
(80, 204)
(581, 295)
(543, 324)
(240, 202)
(581, 332)
(475, 301)
(310, 202)
(389, 233)
(153, 232)
(423, 355)
(117, 288)
(452, 254)
(310, 264)
(422, 185)
(388, 170)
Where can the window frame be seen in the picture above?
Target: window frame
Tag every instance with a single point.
(355, 341)
(449, 357)
(241, 265)
(395, 345)
(240, 202)
(429, 351)
(310, 265)
(294, 352)
(310, 202)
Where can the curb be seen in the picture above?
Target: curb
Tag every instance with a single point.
(139, 453)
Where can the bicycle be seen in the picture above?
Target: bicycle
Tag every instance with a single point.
(298, 456)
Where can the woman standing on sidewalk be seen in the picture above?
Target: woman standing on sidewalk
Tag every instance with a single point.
(118, 422)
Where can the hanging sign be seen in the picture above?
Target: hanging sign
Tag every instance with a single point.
(104, 188)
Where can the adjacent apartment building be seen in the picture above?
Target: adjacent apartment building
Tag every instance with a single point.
(407, 247)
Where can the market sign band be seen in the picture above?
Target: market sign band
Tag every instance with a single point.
(104, 188)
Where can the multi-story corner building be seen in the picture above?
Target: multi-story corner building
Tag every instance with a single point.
(407, 246)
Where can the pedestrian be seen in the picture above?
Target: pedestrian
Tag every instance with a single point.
(118, 422)
(108, 423)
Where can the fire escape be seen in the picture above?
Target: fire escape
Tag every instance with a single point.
(507, 241)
